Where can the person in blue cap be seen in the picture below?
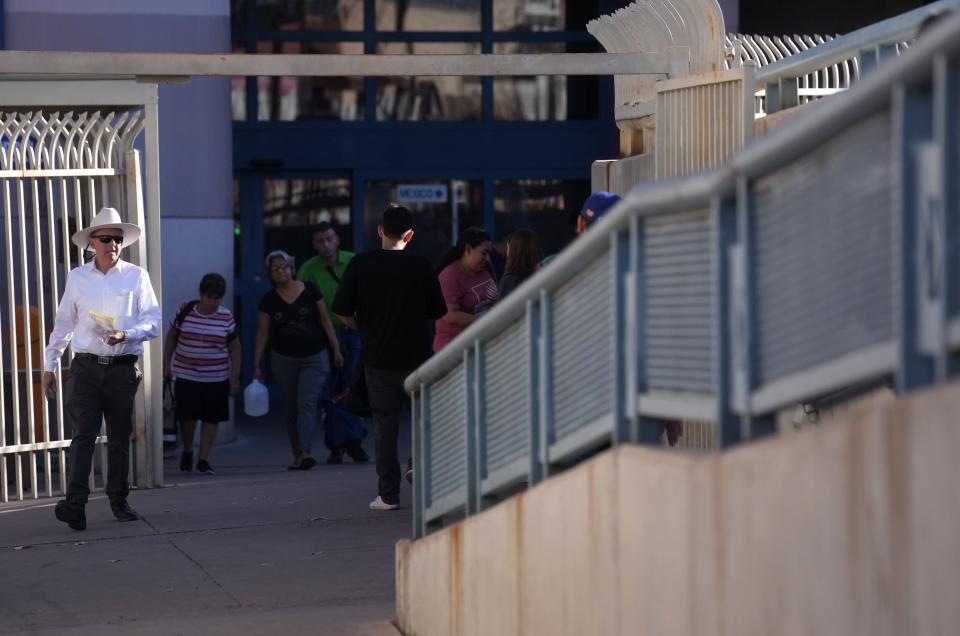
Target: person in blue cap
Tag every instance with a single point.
(596, 205)
(594, 208)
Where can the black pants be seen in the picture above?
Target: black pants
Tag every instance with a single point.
(385, 388)
(96, 393)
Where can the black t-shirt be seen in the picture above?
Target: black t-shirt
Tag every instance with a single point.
(295, 328)
(394, 296)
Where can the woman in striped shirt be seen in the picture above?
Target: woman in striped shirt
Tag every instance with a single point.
(202, 353)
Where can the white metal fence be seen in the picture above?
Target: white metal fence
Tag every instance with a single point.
(821, 257)
(56, 171)
(702, 120)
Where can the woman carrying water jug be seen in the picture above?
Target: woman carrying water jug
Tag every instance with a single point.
(202, 353)
(293, 322)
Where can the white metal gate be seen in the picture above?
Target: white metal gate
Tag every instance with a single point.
(56, 170)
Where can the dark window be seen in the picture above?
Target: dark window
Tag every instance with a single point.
(549, 207)
(428, 15)
(298, 98)
(309, 15)
(544, 97)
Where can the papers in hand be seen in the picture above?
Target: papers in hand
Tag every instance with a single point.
(103, 324)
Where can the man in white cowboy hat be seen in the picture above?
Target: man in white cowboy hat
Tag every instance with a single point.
(107, 311)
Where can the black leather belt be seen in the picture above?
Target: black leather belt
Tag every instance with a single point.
(108, 360)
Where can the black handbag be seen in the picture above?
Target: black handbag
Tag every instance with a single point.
(169, 412)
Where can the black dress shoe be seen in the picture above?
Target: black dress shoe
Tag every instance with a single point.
(72, 515)
(122, 511)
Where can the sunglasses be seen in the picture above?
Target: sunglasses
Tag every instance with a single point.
(107, 238)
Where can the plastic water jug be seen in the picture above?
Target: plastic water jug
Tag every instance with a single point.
(256, 399)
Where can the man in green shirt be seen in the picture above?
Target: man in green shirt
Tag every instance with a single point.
(343, 431)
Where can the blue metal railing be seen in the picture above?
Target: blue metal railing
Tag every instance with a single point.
(822, 256)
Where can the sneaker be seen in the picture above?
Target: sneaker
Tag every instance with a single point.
(307, 462)
(380, 504)
(357, 454)
(186, 462)
(335, 456)
(203, 466)
(295, 464)
(408, 475)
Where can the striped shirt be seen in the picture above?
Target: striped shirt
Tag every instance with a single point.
(201, 354)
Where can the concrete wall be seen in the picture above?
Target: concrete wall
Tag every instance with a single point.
(849, 528)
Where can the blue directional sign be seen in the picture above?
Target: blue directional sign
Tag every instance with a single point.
(422, 193)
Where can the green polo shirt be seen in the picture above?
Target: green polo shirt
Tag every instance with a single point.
(315, 271)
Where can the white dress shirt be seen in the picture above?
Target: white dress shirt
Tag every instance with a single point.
(124, 293)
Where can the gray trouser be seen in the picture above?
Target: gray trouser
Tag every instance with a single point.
(301, 381)
(97, 393)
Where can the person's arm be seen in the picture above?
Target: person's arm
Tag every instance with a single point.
(169, 346)
(457, 317)
(64, 323)
(235, 358)
(147, 326)
(331, 334)
(450, 287)
(263, 332)
(348, 321)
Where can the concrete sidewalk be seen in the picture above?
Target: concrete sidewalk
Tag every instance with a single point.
(254, 549)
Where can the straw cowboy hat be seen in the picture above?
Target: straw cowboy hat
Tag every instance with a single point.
(107, 218)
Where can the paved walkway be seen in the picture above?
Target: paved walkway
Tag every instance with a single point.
(254, 549)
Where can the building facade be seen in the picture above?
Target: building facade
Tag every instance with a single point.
(497, 152)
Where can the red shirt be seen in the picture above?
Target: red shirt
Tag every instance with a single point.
(471, 293)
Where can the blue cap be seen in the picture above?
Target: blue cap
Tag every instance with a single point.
(597, 205)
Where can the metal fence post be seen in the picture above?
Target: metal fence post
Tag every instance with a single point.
(619, 271)
(788, 92)
(724, 212)
(473, 377)
(916, 251)
(535, 446)
(634, 342)
(867, 61)
(771, 96)
(545, 387)
(745, 341)
(415, 435)
(423, 476)
(946, 132)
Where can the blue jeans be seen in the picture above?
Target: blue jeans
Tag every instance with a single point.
(301, 381)
(350, 348)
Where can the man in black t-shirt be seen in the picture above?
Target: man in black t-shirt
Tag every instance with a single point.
(390, 297)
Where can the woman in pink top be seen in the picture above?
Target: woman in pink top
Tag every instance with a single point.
(468, 284)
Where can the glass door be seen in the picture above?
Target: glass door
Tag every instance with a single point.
(278, 211)
(441, 209)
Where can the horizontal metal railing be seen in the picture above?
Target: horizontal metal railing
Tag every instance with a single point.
(716, 298)
(867, 47)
